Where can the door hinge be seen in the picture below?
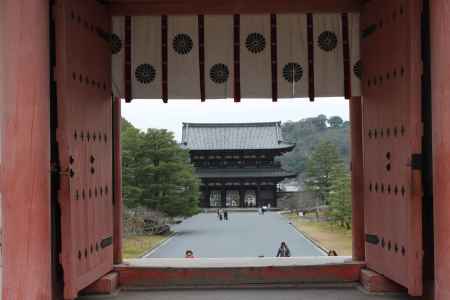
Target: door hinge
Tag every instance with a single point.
(56, 169)
(372, 239)
(106, 242)
(416, 161)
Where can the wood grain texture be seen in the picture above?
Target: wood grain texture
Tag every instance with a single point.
(440, 73)
(142, 7)
(85, 142)
(392, 134)
(154, 277)
(26, 150)
(118, 200)
(357, 174)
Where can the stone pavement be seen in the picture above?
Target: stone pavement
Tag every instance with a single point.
(245, 234)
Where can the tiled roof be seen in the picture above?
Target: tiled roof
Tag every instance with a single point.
(233, 136)
(243, 173)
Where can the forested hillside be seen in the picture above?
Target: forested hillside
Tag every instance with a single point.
(310, 132)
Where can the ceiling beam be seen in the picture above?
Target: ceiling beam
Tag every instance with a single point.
(173, 7)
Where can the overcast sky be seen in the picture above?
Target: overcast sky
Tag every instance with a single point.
(145, 114)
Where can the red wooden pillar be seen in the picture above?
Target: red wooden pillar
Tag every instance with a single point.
(440, 76)
(118, 201)
(357, 178)
(25, 168)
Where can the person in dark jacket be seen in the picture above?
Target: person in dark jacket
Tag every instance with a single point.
(284, 250)
(225, 215)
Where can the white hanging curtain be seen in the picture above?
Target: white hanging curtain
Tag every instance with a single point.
(146, 58)
(255, 63)
(277, 56)
(183, 79)
(292, 56)
(118, 56)
(328, 56)
(355, 58)
(219, 67)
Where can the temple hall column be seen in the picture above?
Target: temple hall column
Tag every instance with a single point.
(275, 200)
(356, 132)
(241, 197)
(118, 201)
(258, 198)
(223, 197)
(25, 149)
(440, 91)
(206, 197)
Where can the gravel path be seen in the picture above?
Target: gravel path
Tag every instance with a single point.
(245, 234)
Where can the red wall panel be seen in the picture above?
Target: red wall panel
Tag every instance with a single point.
(392, 136)
(83, 75)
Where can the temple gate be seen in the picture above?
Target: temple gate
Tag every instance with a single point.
(392, 139)
(82, 87)
(81, 83)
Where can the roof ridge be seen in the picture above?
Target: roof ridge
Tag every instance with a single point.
(249, 124)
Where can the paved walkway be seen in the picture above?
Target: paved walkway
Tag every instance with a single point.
(252, 294)
(243, 235)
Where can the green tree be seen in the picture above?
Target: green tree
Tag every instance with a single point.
(131, 140)
(157, 173)
(307, 134)
(320, 122)
(335, 122)
(339, 196)
(319, 167)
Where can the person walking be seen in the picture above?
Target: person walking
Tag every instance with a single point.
(218, 213)
(284, 250)
(189, 254)
(225, 215)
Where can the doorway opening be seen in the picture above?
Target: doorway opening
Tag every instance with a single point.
(296, 170)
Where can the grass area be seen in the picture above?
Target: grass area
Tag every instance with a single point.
(136, 246)
(325, 234)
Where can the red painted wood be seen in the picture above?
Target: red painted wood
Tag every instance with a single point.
(201, 54)
(118, 200)
(392, 134)
(108, 284)
(377, 283)
(149, 277)
(25, 149)
(274, 57)
(83, 76)
(310, 30)
(175, 7)
(358, 243)
(346, 52)
(164, 55)
(127, 73)
(237, 58)
(440, 74)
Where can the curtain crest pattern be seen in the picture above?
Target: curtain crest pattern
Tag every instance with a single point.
(236, 56)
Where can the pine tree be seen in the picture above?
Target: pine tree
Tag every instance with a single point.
(339, 196)
(157, 173)
(318, 172)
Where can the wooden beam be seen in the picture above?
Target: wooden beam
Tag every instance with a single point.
(118, 200)
(25, 149)
(357, 173)
(232, 276)
(168, 7)
(440, 88)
